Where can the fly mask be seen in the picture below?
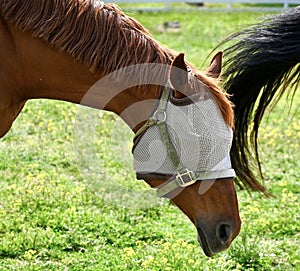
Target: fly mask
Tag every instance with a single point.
(184, 141)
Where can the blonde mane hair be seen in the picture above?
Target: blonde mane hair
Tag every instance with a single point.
(99, 35)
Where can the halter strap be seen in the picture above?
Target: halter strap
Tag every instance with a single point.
(155, 118)
(186, 178)
(159, 118)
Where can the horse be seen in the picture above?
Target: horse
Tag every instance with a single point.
(90, 53)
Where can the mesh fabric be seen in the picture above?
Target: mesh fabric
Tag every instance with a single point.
(198, 132)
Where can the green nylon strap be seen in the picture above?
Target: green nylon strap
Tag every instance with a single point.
(159, 119)
(154, 119)
(149, 123)
(179, 182)
(165, 136)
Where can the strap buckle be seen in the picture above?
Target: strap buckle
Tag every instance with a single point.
(185, 178)
(160, 116)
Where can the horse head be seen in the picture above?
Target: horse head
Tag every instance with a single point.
(183, 151)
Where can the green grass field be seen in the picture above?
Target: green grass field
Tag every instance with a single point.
(55, 214)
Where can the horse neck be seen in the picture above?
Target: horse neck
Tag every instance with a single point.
(47, 73)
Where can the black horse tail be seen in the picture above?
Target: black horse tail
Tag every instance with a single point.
(262, 65)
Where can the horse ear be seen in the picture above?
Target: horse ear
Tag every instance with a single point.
(178, 76)
(215, 67)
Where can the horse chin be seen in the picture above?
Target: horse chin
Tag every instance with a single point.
(203, 243)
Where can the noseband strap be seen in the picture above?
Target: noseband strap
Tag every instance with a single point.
(184, 176)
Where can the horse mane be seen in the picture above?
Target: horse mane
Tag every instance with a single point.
(81, 28)
(260, 67)
(221, 98)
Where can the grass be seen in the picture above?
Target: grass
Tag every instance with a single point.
(51, 219)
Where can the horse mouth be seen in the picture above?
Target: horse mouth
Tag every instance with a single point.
(203, 243)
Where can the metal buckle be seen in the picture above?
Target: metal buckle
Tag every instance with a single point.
(160, 115)
(185, 178)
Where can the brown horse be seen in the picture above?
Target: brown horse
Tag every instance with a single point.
(62, 49)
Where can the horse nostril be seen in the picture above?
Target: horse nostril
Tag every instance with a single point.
(224, 233)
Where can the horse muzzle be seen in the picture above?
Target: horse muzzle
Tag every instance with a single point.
(217, 238)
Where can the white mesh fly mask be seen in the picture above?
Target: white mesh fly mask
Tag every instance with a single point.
(184, 141)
